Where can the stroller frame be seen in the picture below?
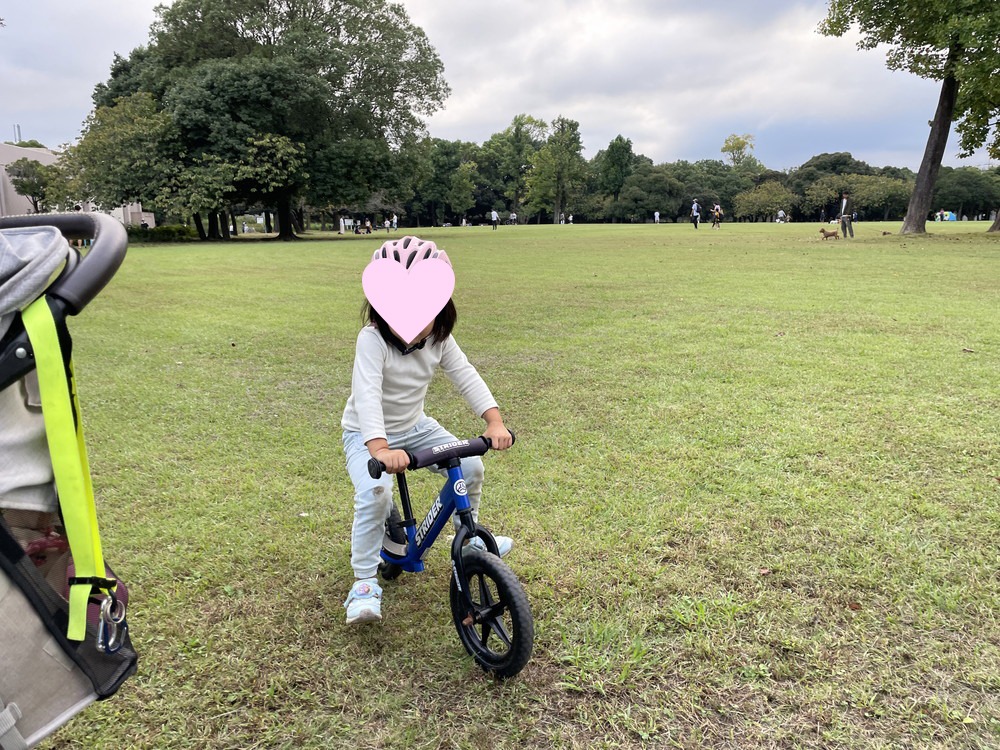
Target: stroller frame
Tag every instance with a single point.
(81, 631)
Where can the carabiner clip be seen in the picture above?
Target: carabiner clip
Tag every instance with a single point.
(111, 626)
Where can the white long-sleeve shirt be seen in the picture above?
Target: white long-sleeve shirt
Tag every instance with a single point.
(388, 388)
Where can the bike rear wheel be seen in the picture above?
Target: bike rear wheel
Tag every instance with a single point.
(499, 632)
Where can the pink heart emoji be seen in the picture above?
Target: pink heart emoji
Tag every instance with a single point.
(408, 300)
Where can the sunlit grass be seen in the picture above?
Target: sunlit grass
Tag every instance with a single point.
(754, 494)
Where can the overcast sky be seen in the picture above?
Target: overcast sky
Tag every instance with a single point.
(675, 78)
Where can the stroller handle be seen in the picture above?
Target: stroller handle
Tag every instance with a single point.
(82, 279)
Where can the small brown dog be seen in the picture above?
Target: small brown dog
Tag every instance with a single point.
(827, 234)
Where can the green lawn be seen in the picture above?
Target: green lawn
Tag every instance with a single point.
(754, 495)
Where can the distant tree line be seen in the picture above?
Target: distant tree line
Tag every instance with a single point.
(537, 171)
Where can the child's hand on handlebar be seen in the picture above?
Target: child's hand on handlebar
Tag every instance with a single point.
(499, 436)
(396, 461)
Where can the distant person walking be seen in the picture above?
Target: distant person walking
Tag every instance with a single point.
(656, 217)
(494, 218)
(717, 214)
(846, 215)
(695, 213)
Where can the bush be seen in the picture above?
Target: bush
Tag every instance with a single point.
(165, 233)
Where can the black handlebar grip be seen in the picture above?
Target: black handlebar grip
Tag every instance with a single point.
(81, 282)
(375, 468)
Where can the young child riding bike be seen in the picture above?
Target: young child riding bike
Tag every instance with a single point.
(384, 417)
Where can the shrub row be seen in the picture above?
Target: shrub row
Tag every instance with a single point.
(165, 233)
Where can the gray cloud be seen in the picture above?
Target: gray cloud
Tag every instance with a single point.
(674, 78)
(677, 79)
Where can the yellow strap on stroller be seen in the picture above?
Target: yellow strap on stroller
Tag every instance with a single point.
(69, 463)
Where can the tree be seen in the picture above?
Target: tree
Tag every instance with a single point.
(763, 201)
(558, 168)
(506, 157)
(33, 180)
(128, 152)
(996, 220)
(650, 188)
(874, 196)
(956, 42)
(271, 173)
(740, 151)
(446, 181)
(461, 192)
(978, 103)
(30, 143)
(613, 167)
(296, 82)
(878, 196)
(203, 186)
(967, 191)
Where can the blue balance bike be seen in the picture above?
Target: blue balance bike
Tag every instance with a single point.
(488, 603)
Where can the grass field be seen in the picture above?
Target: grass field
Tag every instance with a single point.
(755, 494)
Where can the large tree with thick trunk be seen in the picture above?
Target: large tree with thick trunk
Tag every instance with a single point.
(258, 93)
(956, 42)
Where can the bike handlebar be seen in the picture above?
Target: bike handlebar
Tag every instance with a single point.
(81, 280)
(439, 454)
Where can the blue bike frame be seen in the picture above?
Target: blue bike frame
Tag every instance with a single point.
(453, 498)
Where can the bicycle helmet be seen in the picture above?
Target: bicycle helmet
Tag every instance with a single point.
(410, 250)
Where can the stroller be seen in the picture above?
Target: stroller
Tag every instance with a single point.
(64, 639)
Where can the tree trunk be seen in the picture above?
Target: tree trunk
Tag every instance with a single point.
(286, 229)
(213, 226)
(232, 219)
(200, 226)
(267, 222)
(996, 223)
(915, 221)
(224, 225)
(298, 220)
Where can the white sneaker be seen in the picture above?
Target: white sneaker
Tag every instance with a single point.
(504, 544)
(364, 602)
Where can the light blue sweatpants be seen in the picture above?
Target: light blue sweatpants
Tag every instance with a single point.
(373, 497)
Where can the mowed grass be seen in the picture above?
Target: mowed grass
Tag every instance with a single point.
(754, 494)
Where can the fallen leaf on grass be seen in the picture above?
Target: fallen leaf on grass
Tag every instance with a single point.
(854, 606)
(969, 351)
(765, 571)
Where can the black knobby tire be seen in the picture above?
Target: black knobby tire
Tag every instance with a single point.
(391, 571)
(500, 633)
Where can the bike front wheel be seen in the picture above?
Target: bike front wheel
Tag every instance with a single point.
(499, 632)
